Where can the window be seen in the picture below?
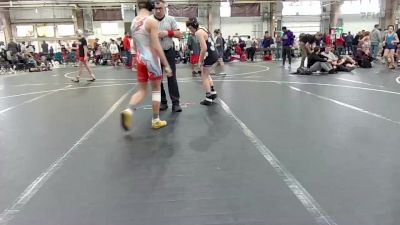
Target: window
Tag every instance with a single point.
(45, 31)
(65, 30)
(25, 31)
(301, 8)
(109, 28)
(225, 9)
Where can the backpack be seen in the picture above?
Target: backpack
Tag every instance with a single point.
(365, 63)
(303, 71)
(267, 58)
(349, 39)
(307, 38)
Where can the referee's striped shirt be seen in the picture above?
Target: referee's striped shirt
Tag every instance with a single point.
(167, 23)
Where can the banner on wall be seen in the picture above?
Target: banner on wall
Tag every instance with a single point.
(245, 10)
(107, 14)
(183, 11)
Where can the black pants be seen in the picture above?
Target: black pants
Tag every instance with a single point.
(286, 51)
(354, 50)
(172, 82)
(349, 48)
(250, 53)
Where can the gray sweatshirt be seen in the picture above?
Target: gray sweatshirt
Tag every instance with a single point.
(193, 44)
(376, 36)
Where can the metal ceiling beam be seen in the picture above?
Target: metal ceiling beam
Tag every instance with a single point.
(54, 3)
(109, 3)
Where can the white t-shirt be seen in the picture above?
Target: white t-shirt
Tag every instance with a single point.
(30, 49)
(330, 56)
(114, 48)
(249, 43)
(57, 48)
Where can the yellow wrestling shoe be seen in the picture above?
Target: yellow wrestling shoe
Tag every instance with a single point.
(126, 119)
(157, 124)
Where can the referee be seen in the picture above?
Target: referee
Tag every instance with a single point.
(168, 29)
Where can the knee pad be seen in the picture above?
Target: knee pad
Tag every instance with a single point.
(156, 96)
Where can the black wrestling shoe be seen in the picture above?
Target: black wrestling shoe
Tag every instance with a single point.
(176, 108)
(213, 95)
(163, 106)
(206, 102)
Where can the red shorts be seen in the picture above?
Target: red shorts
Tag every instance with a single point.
(143, 74)
(194, 59)
(81, 59)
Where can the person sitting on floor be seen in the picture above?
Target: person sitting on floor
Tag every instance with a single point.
(317, 62)
(364, 57)
(339, 63)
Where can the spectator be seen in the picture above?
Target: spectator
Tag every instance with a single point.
(287, 44)
(74, 52)
(51, 51)
(328, 40)
(339, 63)
(364, 57)
(355, 43)
(30, 48)
(319, 40)
(340, 44)
(316, 62)
(127, 50)
(229, 42)
(249, 47)
(349, 42)
(278, 46)
(23, 47)
(58, 47)
(375, 40)
(365, 40)
(45, 48)
(306, 42)
(220, 45)
(194, 48)
(12, 47)
(267, 42)
(2, 46)
(114, 52)
(97, 51)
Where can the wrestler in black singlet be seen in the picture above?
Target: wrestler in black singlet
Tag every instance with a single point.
(212, 53)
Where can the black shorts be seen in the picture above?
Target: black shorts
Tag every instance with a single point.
(210, 60)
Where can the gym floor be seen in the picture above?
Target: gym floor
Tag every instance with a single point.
(276, 149)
